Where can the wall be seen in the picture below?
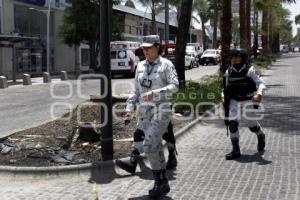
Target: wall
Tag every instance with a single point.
(64, 56)
(8, 26)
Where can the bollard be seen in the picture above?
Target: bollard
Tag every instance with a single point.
(46, 77)
(26, 79)
(3, 82)
(64, 76)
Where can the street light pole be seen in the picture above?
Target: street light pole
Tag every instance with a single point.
(48, 35)
(105, 69)
(144, 22)
(167, 30)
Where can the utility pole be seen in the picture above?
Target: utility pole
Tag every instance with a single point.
(48, 36)
(105, 69)
(167, 30)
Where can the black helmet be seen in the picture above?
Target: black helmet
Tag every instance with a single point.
(242, 53)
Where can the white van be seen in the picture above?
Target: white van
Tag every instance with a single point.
(84, 57)
(123, 61)
(195, 47)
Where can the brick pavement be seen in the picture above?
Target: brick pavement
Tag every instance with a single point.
(203, 173)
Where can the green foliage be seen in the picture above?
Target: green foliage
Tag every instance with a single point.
(297, 19)
(264, 61)
(208, 91)
(81, 22)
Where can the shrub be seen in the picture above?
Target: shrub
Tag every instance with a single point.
(205, 92)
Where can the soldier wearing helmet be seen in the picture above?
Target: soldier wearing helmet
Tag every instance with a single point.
(242, 88)
(155, 81)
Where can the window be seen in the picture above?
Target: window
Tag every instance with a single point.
(85, 57)
(31, 56)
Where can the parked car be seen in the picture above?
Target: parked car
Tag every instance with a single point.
(123, 62)
(189, 61)
(296, 49)
(285, 50)
(191, 51)
(169, 52)
(197, 48)
(210, 56)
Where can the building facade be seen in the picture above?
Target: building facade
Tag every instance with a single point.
(28, 18)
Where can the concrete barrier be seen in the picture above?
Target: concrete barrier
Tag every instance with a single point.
(64, 76)
(3, 82)
(46, 77)
(26, 79)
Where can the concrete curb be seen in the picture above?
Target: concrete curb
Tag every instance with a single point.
(37, 172)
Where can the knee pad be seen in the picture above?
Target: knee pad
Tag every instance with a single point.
(254, 129)
(233, 126)
(138, 135)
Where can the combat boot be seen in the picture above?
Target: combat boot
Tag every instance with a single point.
(235, 153)
(261, 143)
(172, 160)
(161, 185)
(129, 165)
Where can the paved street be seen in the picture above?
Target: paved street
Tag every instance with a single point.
(23, 107)
(203, 173)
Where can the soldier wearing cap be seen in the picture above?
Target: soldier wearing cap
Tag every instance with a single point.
(243, 90)
(155, 82)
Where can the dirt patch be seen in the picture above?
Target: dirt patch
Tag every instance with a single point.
(57, 143)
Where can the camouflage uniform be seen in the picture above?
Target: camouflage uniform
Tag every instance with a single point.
(153, 117)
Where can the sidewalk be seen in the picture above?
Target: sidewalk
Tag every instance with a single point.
(203, 173)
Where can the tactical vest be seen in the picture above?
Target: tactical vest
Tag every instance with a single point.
(240, 86)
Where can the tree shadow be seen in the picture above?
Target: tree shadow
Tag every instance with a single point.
(145, 172)
(104, 173)
(281, 114)
(146, 197)
(257, 157)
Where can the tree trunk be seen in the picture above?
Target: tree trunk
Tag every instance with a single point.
(270, 32)
(215, 21)
(248, 25)
(265, 30)
(182, 34)
(178, 13)
(226, 35)
(276, 43)
(93, 55)
(203, 34)
(77, 63)
(243, 25)
(255, 42)
(153, 22)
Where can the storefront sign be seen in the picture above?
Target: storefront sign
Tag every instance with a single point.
(35, 2)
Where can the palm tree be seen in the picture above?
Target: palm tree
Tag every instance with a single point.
(183, 29)
(202, 7)
(267, 7)
(154, 5)
(243, 27)
(245, 24)
(225, 35)
(216, 7)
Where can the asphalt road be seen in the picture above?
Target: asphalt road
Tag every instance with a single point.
(25, 107)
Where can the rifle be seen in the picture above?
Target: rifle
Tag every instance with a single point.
(226, 102)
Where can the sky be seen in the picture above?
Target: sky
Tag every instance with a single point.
(295, 10)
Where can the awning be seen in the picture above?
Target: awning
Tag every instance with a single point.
(15, 39)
